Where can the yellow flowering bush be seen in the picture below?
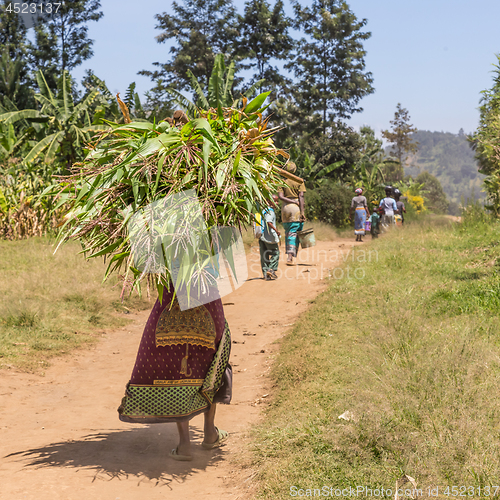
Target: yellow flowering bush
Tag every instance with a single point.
(417, 202)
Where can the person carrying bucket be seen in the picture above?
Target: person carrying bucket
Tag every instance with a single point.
(359, 207)
(292, 213)
(269, 242)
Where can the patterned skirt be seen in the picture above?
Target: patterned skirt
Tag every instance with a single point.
(359, 221)
(182, 366)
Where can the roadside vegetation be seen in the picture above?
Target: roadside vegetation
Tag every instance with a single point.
(409, 354)
(52, 304)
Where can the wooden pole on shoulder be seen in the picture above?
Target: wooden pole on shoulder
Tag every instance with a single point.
(288, 175)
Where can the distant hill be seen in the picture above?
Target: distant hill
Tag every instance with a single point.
(448, 157)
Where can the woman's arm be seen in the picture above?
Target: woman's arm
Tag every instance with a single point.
(283, 198)
(302, 205)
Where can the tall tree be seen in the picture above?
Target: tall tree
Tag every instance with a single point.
(14, 87)
(263, 37)
(400, 135)
(12, 31)
(201, 29)
(486, 141)
(329, 63)
(67, 32)
(43, 53)
(14, 71)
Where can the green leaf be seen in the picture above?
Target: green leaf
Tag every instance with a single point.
(198, 90)
(207, 146)
(3, 202)
(236, 163)
(256, 103)
(44, 143)
(158, 174)
(107, 249)
(15, 116)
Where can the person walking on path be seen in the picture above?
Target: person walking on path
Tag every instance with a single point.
(388, 204)
(375, 222)
(400, 205)
(292, 213)
(359, 207)
(269, 242)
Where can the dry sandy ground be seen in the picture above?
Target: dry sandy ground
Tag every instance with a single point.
(60, 437)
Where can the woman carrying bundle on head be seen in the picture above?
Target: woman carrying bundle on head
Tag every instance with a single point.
(292, 212)
(360, 208)
(172, 218)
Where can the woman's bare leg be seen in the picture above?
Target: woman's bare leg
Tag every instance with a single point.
(210, 431)
(184, 446)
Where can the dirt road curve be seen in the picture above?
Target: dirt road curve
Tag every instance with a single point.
(60, 437)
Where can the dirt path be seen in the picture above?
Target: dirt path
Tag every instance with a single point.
(60, 437)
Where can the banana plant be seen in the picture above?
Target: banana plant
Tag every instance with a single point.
(60, 128)
(370, 177)
(314, 174)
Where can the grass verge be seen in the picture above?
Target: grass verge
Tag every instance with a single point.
(409, 344)
(53, 303)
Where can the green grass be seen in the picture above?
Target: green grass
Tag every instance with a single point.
(53, 303)
(412, 350)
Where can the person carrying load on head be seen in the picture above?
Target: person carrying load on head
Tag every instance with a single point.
(359, 207)
(292, 213)
(388, 204)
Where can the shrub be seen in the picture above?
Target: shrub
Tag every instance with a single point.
(329, 203)
(474, 215)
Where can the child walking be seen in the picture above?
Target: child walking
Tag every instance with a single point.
(269, 242)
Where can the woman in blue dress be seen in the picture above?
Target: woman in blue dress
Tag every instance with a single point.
(359, 207)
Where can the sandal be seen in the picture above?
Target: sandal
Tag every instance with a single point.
(222, 437)
(180, 458)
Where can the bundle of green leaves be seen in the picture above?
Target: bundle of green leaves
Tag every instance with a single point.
(225, 156)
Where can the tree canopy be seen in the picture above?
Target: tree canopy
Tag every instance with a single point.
(264, 37)
(329, 62)
(201, 29)
(486, 140)
(400, 135)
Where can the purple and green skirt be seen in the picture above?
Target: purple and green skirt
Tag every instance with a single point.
(182, 365)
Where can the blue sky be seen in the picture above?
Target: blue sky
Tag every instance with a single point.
(432, 56)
